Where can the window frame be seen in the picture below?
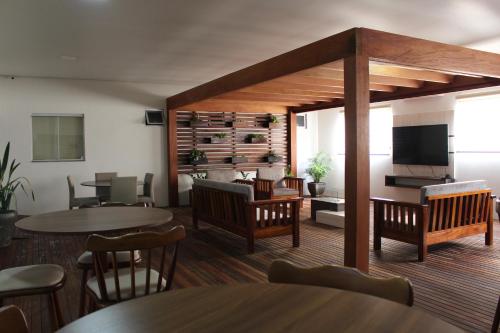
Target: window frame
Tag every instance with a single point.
(59, 115)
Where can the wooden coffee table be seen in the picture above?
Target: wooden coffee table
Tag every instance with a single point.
(260, 308)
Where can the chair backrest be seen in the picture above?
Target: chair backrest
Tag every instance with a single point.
(124, 189)
(244, 189)
(396, 289)
(222, 175)
(100, 246)
(105, 175)
(71, 187)
(450, 188)
(275, 173)
(12, 319)
(148, 185)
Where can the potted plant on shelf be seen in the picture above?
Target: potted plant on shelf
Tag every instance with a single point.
(319, 167)
(272, 157)
(8, 185)
(196, 121)
(236, 159)
(256, 138)
(273, 122)
(197, 157)
(219, 138)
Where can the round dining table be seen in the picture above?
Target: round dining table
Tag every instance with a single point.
(259, 308)
(95, 220)
(103, 183)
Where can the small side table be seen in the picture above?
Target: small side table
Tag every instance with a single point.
(326, 203)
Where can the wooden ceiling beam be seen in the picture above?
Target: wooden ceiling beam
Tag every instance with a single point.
(327, 73)
(321, 52)
(460, 83)
(271, 97)
(399, 72)
(236, 106)
(275, 85)
(291, 92)
(328, 82)
(414, 52)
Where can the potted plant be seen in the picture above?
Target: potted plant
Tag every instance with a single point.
(273, 122)
(197, 157)
(256, 138)
(272, 157)
(219, 138)
(319, 167)
(8, 185)
(196, 121)
(235, 159)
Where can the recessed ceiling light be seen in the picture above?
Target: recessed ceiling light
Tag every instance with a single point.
(68, 58)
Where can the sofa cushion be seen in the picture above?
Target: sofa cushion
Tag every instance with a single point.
(450, 188)
(247, 190)
(285, 191)
(275, 173)
(222, 175)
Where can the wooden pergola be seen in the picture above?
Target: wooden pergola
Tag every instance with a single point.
(351, 69)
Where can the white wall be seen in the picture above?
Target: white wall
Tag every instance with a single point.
(307, 145)
(116, 138)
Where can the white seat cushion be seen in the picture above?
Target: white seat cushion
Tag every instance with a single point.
(285, 191)
(121, 256)
(30, 277)
(125, 283)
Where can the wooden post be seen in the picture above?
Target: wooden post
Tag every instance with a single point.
(173, 186)
(357, 161)
(292, 141)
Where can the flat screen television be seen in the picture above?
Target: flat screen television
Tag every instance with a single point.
(420, 145)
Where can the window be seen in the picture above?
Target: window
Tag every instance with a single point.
(58, 137)
(380, 131)
(476, 124)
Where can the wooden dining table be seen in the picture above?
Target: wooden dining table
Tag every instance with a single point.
(260, 308)
(95, 220)
(103, 183)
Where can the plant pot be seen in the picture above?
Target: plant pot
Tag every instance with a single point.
(240, 124)
(273, 125)
(258, 140)
(199, 161)
(218, 140)
(198, 123)
(239, 159)
(316, 189)
(7, 219)
(274, 159)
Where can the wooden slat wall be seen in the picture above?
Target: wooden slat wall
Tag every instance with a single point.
(219, 155)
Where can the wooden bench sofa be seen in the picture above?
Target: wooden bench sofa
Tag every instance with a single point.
(446, 212)
(231, 206)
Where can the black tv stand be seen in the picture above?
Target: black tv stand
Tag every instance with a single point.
(415, 181)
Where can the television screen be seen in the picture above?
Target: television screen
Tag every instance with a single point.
(420, 145)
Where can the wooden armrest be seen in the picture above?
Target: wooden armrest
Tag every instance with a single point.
(263, 180)
(399, 203)
(274, 201)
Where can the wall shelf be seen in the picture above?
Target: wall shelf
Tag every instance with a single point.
(415, 182)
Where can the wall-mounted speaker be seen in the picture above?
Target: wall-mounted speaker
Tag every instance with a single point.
(154, 117)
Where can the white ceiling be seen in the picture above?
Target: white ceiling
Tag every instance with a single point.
(188, 42)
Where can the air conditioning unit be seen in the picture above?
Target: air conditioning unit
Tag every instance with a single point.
(154, 117)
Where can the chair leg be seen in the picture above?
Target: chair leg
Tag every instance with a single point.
(250, 244)
(55, 310)
(83, 294)
(422, 252)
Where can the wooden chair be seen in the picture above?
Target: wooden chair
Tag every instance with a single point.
(103, 193)
(397, 289)
(35, 280)
(120, 284)
(80, 201)
(85, 263)
(496, 319)
(124, 190)
(147, 197)
(12, 320)
(441, 217)
(271, 183)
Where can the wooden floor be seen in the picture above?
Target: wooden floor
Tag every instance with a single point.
(459, 282)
